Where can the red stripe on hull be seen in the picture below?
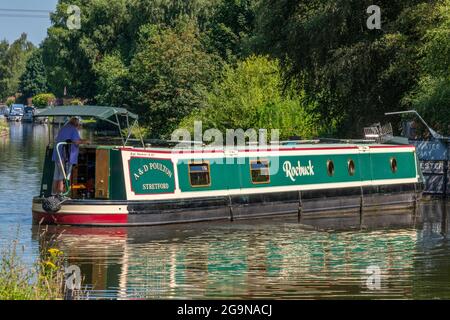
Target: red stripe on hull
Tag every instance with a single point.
(79, 219)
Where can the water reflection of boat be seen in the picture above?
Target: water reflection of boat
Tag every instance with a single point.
(350, 182)
(241, 260)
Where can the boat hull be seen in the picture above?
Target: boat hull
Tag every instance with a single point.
(13, 118)
(330, 208)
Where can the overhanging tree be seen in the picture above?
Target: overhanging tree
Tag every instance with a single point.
(351, 72)
(169, 75)
(12, 64)
(34, 79)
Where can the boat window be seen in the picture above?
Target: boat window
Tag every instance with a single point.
(199, 175)
(393, 165)
(259, 171)
(351, 167)
(330, 168)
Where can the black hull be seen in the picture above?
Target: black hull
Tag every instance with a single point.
(436, 177)
(361, 207)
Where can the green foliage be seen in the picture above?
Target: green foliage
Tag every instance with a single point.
(34, 79)
(112, 77)
(251, 95)
(4, 128)
(436, 49)
(108, 29)
(76, 102)
(43, 100)
(10, 101)
(54, 56)
(432, 100)
(231, 27)
(42, 281)
(4, 69)
(160, 58)
(168, 13)
(12, 64)
(351, 72)
(70, 55)
(136, 132)
(431, 97)
(107, 60)
(169, 75)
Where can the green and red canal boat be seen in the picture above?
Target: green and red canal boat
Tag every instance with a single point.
(124, 185)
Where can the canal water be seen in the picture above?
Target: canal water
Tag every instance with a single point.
(267, 259)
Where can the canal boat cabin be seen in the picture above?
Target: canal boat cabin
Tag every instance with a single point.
(123, 185)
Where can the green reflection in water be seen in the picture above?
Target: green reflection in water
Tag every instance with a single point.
(241, 261)
(272, 259)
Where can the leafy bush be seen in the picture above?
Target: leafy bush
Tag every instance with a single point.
(9, 102)
(42, 100)
(251, 95)
(76, 102)
(432, 101)
(431, 97)
(4, 128)
(168, 76)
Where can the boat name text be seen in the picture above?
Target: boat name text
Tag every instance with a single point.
(152, 166)
(293, 172)
(155, 186)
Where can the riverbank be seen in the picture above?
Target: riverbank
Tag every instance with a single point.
(43, 280)
(4, 128)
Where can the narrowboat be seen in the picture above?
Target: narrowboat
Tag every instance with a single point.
(121, 184)
(16, 112)
(28, 114)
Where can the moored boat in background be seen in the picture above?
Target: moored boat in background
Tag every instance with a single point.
(433, 150)
(16, 112)
(28, 114)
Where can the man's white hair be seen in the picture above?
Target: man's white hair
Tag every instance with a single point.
(74, 121)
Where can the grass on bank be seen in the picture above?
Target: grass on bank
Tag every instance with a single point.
(4, 128)
(44, 280)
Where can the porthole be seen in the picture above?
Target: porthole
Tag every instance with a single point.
(393, 165)
(330, 168)
(351, 167)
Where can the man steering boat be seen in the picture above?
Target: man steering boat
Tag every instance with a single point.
(68, 153)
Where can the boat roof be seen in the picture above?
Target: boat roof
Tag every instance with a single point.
(269, 147)
(100, 112)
